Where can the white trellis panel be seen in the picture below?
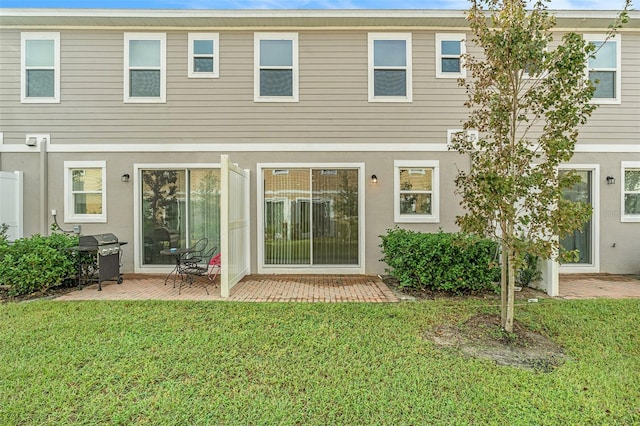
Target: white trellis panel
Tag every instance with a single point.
(234, 226)
(11, 208)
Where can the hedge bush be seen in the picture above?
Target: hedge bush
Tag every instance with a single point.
(453, 262)
(36, 263)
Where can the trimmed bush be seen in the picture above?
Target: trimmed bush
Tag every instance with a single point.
(36, 263)
(453, 262)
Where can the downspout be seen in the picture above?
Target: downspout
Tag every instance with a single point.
(44, 187)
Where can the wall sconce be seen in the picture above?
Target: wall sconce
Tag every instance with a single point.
(374, 179)
(125, 177)
(611, 180)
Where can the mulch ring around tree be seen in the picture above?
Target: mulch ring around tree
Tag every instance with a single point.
(482, 336)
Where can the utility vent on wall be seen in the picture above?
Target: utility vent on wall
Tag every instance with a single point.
(34, 140)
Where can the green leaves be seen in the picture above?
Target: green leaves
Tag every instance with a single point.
(527, 98)
(36, 263)
(459, 263)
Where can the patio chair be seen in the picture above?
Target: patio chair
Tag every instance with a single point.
(205, 268)
(196, 254)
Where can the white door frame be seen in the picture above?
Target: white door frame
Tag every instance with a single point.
(594, 266)
(310, 269)
(138, 249)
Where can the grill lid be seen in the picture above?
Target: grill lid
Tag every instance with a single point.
(98, 239)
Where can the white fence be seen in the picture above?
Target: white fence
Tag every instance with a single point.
(234, 218)
(11, 207)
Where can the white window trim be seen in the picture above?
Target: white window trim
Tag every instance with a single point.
(257, 38)
(311, 269)
(462, 38)
(69, 215)
(162, 37)
(408, 68)
(215, 37)
(624, 216)
(434, 217)
(56, 67)
(618, 70)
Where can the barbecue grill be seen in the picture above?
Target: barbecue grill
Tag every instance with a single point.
(98, 259)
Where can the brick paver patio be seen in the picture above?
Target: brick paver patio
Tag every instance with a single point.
(589, 286)
(253, 288)
(323, 288)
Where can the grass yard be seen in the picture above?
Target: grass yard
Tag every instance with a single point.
(232, 363)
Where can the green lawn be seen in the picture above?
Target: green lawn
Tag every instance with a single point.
(184, 363)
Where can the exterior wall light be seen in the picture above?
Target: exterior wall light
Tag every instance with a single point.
(125, 177)
(611, 180)
(374, 179)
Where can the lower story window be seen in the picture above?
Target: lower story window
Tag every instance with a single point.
(416, 191)
(631, 191)
(85, 191)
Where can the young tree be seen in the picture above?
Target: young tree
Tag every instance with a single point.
(527, 98)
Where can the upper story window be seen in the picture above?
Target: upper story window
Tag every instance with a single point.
(85, 191)
(40, 67)
(204, 55)
(275, 67)
(604, 68)
(631, 191)
(390, 67)
(145, 67)
(416, 191)
(449, 51)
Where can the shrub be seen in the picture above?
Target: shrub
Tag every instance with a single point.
(453, 262)
(529, 272)
(37, 263)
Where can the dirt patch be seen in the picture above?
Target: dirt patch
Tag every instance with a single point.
(483, 337)
(406, 293)
(50, 293)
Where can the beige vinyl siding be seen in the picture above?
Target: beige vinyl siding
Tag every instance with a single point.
(620, 123)
(333, 103)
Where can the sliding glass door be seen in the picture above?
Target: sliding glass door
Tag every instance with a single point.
(178, 208)
(311, 216)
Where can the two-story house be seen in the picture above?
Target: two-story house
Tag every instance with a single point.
(117, 120)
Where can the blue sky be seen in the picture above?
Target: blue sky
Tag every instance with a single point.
(289, 4)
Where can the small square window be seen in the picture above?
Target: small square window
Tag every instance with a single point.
(450, 49)
(603, 68)
(276, 67)
(416, 191)
(85, 191)
(204, 55)
(145, 67)
(390, 67)
(40, 64)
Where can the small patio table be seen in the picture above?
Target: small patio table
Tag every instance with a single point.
(177, 254)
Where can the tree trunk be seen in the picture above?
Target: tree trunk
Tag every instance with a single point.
(508, 325)
(503, 285)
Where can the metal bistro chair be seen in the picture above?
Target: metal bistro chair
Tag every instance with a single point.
(209, 267)
(196, 253)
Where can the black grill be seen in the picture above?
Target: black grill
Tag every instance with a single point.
(98, 258)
